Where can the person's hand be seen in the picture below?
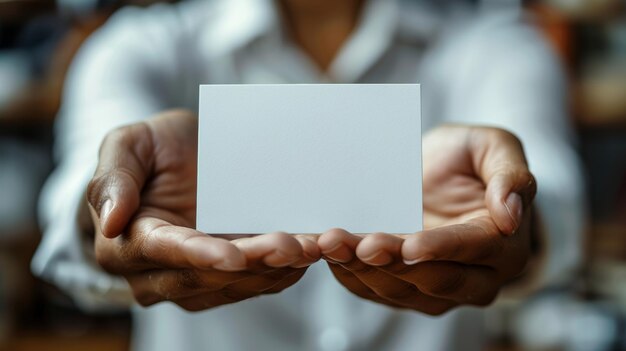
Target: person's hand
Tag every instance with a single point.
(477, 196)
(142, 200)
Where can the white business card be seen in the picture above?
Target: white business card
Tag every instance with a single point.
(308, 158)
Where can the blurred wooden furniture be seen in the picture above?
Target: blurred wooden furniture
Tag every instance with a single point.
(17, 11)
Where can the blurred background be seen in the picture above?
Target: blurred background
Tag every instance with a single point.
(38, 39)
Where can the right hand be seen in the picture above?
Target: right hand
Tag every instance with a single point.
(142, 200)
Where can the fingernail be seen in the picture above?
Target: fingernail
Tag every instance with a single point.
(410, 262)
(106, 209)
(515, 209)
(338, 253)
(378, 258)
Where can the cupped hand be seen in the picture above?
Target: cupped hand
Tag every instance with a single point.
(477, 193)
(142, 200)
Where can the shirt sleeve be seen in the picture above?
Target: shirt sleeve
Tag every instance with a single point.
(118, 77)
(505, 75)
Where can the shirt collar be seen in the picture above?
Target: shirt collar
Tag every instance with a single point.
(240, 22)
(367, 44)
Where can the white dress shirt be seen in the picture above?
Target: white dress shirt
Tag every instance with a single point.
(483, 67)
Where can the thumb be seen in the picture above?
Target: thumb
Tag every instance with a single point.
(498, 157)
(124, 164)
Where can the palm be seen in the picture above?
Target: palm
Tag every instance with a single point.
(143, 202)
(169, 196)
(452, 191)
(475, 238)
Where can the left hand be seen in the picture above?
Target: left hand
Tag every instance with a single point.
(143, 205)
(477, 195)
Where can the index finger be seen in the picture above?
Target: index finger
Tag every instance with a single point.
(156, 244)
(124, 162)
(498, 158)
(276, 249)
(477, 242)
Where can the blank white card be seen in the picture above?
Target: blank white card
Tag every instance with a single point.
(308, 158)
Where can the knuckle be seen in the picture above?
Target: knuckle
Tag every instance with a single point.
(106, 259)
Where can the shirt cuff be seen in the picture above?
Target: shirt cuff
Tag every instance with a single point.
(64, 257)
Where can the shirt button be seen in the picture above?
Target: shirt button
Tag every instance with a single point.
(334, 339)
